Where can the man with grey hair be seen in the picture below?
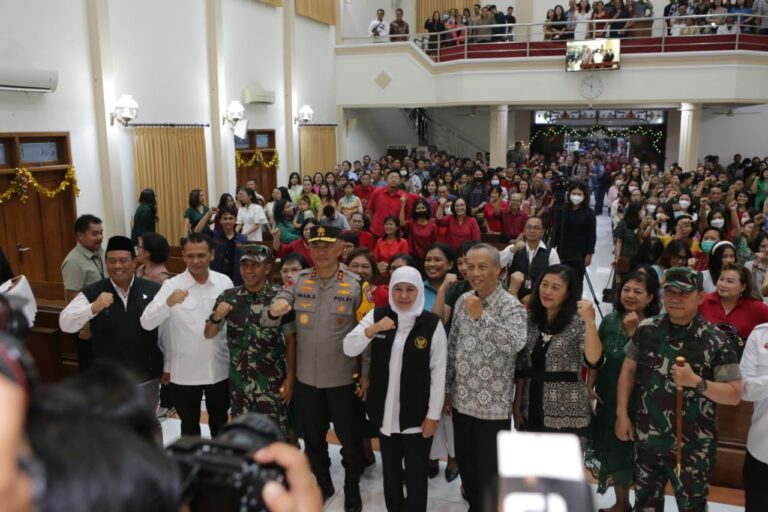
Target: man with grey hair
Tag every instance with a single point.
(488, 330)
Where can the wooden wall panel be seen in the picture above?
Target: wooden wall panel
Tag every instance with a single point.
(317, 149)
(323, 11)
(425, 8)
(276, 3)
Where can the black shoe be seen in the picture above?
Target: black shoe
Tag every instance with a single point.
(328, 491)
(370, 462)
(353, 502)
(451, 474)
(434, 471)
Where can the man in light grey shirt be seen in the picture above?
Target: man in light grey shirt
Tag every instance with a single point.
(488, 330)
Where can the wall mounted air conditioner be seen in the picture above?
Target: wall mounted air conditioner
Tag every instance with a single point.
(28, 80)
(257, 95)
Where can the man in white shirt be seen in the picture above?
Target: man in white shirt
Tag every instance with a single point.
(525, 260)
(378, 28)
(194, 364)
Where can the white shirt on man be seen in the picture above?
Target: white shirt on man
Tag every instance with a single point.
(754, 388)
(382, 27)
(506, 254)
(190, 358)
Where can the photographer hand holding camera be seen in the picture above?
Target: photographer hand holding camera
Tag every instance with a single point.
(304, 494)
(15, 485)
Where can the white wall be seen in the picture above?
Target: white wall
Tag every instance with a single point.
(742, 133)
(43, 35)
(453, 125)
(370, 131)
(160, 56)
(253, 54)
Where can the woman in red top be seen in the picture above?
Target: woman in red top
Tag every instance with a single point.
(357, 226)
(421, 229)
(459, 227)
(493, 210)
(735, 302)
(297, 246)
(390, 244)
(362, 262)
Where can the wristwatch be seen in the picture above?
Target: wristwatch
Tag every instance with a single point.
(210, 319)
(701, 387)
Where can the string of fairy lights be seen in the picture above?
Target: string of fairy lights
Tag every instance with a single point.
(655, 135)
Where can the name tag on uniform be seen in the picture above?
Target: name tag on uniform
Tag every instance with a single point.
(379, 336)
(257, 309)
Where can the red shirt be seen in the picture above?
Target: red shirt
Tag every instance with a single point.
(494, 222)
(456, 233)
(297, 246)
(512, 224)
(366, 239)
(385, 249)
(384, 204)
(364, 193)
(747, 314)
(420, 237)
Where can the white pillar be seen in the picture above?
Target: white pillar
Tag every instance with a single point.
(290, 160)
(690, 127)
(222, 137)
(498, 147)
(99, 36)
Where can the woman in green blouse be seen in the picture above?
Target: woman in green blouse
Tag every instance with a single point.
(283, 215)
(198, 214)
(145, 218)
(610, 460)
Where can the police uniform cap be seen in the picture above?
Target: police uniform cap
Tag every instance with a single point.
(323, 234)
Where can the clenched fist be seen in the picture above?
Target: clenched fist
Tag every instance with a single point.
(102, 302)
(630, 321)
(449, 280)
(221, 311)
(474, 306)
(279, 307)
(177, 297)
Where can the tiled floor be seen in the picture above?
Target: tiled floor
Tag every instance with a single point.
(444, 496)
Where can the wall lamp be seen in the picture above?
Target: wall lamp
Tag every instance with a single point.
(306, 114)
(235, 112)
(126, 110)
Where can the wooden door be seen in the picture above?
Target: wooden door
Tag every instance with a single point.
(317, 149)
(37, 234)
(257, 161)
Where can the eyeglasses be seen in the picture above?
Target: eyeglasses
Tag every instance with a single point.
(533, 228)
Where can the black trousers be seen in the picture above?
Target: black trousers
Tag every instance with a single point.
(187, 400)
(475, 441)
(755, 489)
(319, 407)
(415, 450)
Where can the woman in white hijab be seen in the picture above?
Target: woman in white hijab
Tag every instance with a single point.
(407, 385)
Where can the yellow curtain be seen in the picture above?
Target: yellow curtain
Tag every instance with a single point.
(323, 11)
(425, 8)
(172, 162)
(317, 149)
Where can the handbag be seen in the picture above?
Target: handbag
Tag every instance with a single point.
(608, 290)
(622, 264)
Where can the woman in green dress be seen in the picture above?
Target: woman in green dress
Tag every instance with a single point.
(198, 216)
(145, 218)
(610, 460)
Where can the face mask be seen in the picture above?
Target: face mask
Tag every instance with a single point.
(478, 179)
(494, 182)
(684, 204)
(718, 223)
(619, 183)
(707, 245)
(632, 188)
(650, 208)
(447, 210)
(678, 214)
(404, 173)
(745, 219)
(576, 199)
(421, 215)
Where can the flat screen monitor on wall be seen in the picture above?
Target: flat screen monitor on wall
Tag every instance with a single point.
(593, 55)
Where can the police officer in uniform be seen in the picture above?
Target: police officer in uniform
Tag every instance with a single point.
(329, 302)
(262, 354)
(709, 377)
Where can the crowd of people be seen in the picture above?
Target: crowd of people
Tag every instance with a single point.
(462, 284)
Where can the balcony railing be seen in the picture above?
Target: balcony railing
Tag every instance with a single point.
(701, 33)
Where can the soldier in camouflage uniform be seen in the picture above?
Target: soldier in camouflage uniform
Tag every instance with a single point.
(710, 376)
(261, 350)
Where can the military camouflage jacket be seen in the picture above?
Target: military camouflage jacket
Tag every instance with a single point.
(654, 347)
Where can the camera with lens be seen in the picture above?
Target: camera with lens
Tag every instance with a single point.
(221, 474)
